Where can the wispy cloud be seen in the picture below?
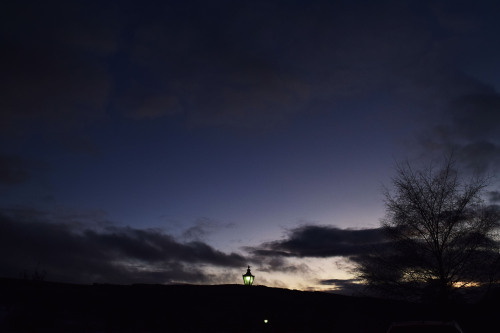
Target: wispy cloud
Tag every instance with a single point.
(202, 228)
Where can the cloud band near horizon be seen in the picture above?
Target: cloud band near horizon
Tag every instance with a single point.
(75, 252)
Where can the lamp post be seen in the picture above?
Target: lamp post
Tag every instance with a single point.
(248, 277)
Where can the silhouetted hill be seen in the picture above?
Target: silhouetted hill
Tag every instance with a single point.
(27, 306)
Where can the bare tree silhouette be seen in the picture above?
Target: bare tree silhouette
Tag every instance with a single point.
(440, 236)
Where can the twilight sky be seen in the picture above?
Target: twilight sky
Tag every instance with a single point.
(179, 141)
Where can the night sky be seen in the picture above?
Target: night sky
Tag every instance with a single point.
(180, 141)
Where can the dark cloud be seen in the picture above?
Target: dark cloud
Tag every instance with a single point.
(224, 63)
(86, 253)
(476, 115)
(438, 64)
(217, 63)
(305, 242)
(218, 68)
(494, 196)
(477, 126)
(462, 103)
(346, 286)
(321, 242)
(53, 71)
(260, 63)
(469, 128)
(56, 89)
(75, 143)
(13, 170)
(480, 156)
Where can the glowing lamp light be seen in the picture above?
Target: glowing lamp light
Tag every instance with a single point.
(248, 277)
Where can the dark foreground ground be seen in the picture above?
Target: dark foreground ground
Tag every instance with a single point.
(31, 306)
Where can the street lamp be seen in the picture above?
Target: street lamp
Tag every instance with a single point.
(248, 277)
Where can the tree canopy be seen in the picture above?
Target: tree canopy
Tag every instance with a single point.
(441, 236)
